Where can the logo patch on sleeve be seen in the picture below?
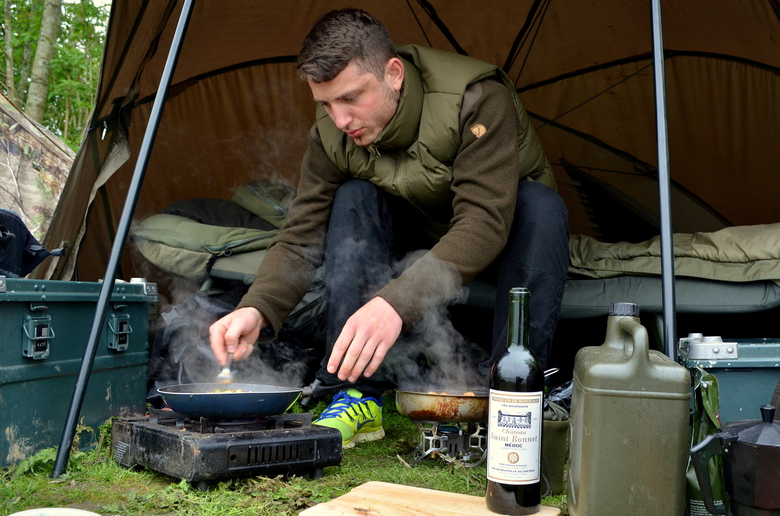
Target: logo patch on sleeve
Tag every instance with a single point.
(478, 130)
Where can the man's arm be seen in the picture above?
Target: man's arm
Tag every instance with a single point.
(486, 174)
(294, 256)
(289, 265)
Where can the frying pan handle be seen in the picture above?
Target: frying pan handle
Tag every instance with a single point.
(307, 391)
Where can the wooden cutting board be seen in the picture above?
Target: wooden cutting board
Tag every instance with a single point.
(384, 499)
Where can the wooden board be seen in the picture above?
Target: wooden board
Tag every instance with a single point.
(384, 499)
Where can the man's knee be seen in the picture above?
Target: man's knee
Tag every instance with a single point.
(356, 192)
(535, 200)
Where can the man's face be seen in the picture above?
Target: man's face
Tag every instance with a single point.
(359, 103)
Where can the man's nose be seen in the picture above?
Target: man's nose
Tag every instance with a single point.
(341, 117)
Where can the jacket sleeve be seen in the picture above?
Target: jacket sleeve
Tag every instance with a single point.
(293, 258)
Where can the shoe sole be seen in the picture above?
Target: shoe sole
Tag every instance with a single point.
(363, 438)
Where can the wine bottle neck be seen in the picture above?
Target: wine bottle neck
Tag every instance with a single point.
(518, 322)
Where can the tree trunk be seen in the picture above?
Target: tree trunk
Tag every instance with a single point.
(39, 86)
(9, 53)
(24, 74)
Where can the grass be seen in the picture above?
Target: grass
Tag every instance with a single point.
(94, 482)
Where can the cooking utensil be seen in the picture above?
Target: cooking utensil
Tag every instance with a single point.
(226, 375)
(445, 407)
(751, 466)
(448, 406)
(239, 401)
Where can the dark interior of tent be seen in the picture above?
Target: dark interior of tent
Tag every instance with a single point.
(236, 112)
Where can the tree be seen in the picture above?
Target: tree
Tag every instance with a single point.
(71, 72)
(41, 69)
(8, 50)
(75, 70)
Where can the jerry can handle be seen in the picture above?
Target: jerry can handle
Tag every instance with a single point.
(701, 455)
(638, 334)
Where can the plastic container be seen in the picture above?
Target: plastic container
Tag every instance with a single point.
(629, 425)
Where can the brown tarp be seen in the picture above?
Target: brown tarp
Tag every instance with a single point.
(237, 111)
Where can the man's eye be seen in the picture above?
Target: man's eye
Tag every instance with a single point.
(350, 99)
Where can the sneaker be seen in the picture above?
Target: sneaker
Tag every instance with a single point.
(358, 419)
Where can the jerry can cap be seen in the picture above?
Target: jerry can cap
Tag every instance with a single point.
(629, 309)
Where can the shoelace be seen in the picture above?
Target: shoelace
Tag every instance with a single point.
(341, 404)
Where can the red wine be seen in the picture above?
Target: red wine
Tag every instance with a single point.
(515, 419)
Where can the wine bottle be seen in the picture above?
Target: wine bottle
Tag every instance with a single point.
(514, 449)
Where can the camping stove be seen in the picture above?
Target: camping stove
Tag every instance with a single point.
(202, 450)
(456, 442)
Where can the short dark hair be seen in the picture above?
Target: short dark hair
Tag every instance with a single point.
(341, 37)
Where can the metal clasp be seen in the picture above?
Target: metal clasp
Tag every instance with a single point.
(37, 334)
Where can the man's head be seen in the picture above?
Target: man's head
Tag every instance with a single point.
(343, 37)
(351, 65)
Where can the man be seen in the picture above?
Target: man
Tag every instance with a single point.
(412, 149)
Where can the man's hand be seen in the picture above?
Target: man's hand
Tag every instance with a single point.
(365, 339)
(236, 333)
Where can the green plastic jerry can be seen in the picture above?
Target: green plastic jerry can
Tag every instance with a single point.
(629, 425)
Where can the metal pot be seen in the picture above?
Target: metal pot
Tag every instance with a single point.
(215, 400)
(445, 407)
(751, 466)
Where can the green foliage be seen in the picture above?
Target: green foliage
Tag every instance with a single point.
(74, 69)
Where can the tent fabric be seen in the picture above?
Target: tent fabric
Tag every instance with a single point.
(34, 165)
(237, 112)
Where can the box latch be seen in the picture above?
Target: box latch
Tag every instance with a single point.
(698, 347)
(37, 334)
(119, 338)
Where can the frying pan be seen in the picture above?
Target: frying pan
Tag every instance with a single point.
(212, 400)
(449, 407)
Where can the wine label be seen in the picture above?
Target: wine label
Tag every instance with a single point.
(514, 450)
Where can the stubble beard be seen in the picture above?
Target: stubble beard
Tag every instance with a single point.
(392, 99)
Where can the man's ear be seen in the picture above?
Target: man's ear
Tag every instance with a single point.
(394, 72)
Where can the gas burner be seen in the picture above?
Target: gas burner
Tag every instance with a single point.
(205, 425)
(203, 451)
(456, 442)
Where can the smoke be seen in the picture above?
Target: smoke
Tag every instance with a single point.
(182, 353)
(433, 355)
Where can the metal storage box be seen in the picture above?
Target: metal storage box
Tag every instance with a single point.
(747, 371)
(44, 329)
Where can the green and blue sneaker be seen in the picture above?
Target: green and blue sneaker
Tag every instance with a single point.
(358, 419)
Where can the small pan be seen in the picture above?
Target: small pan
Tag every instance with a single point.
(220, 401)
(431, 406)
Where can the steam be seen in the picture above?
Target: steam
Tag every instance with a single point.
(189, 358)
(433, 355)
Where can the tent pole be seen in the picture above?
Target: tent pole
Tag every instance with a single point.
(123, 228)
(667, 243)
